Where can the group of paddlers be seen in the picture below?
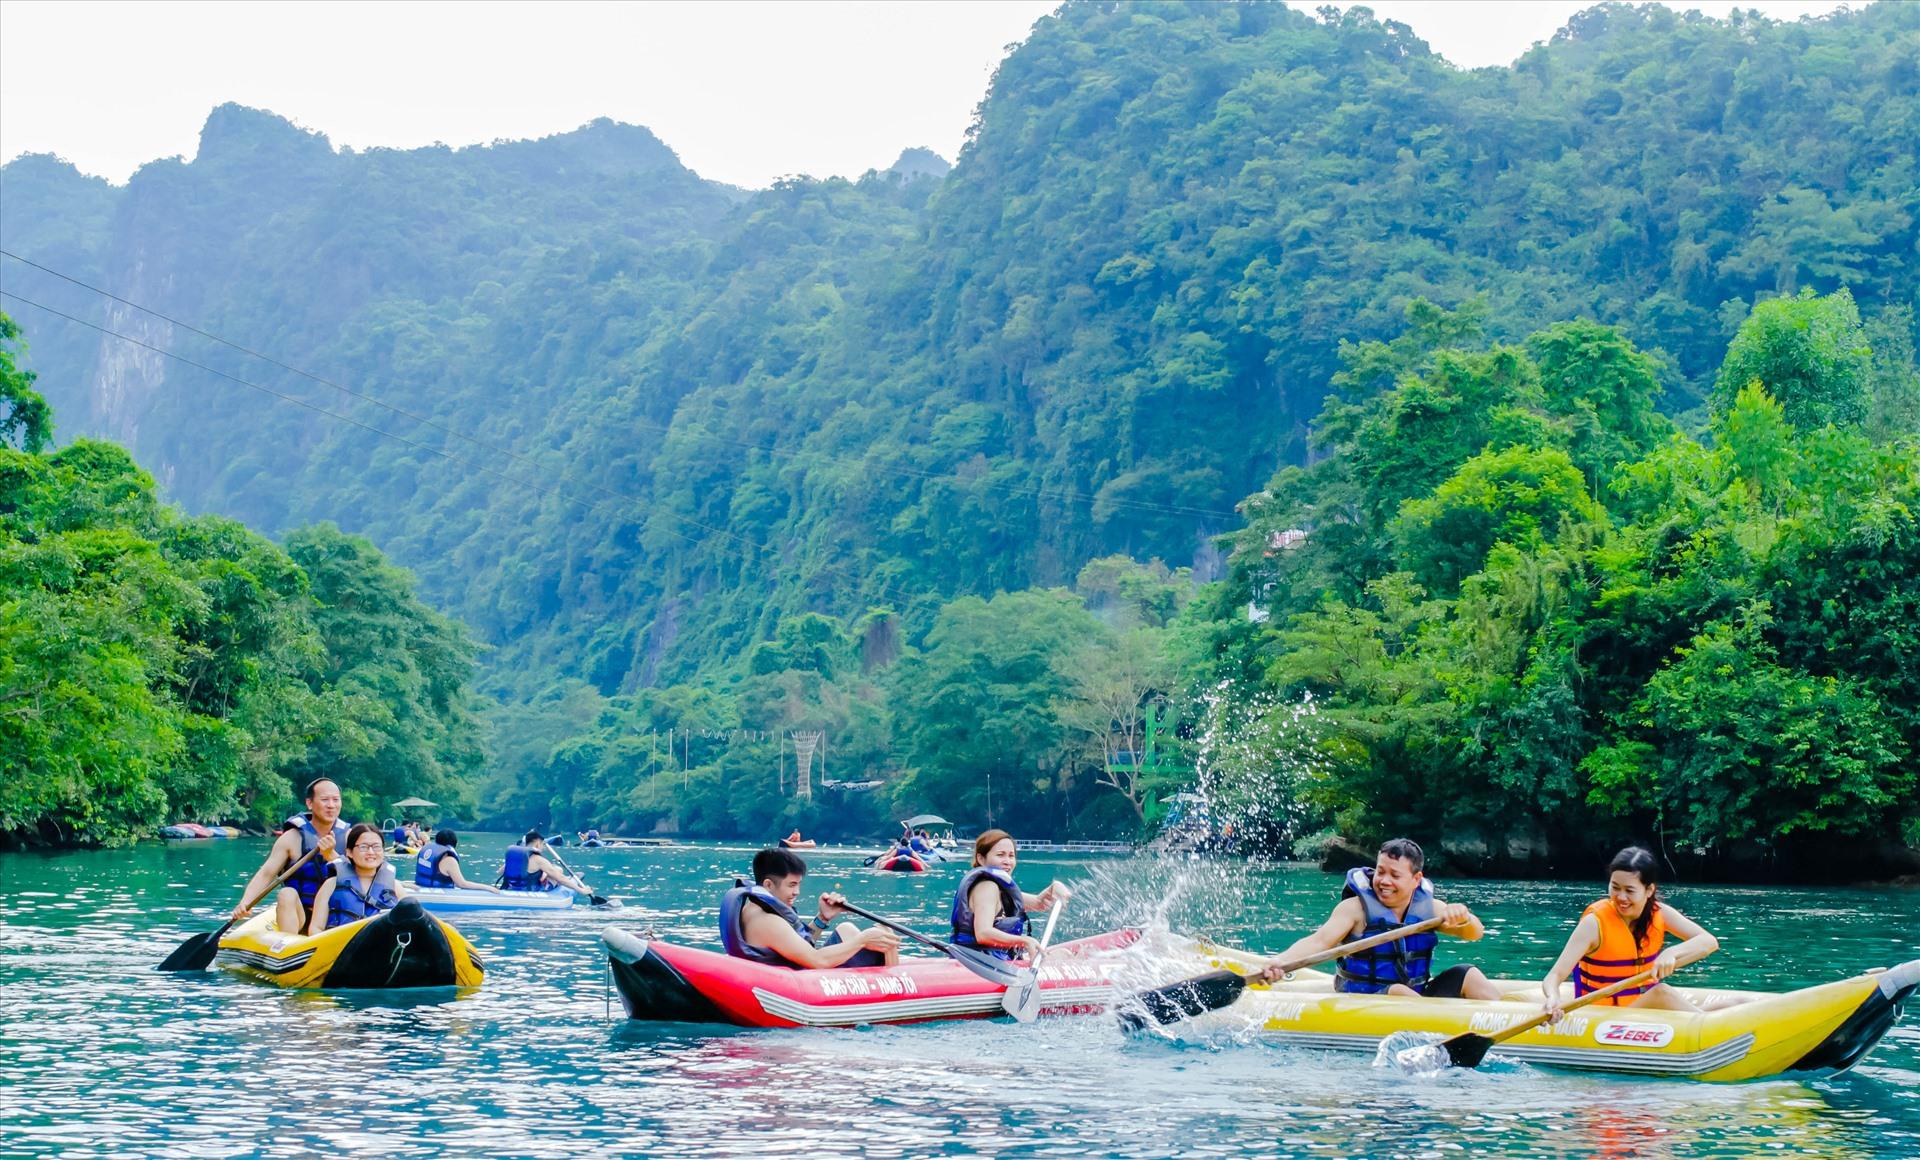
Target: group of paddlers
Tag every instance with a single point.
(340, 873)
(1617, 937)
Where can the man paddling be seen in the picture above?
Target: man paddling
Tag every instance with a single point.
(527, 867)
(321, 829)
(1394, 893)
(758, 922)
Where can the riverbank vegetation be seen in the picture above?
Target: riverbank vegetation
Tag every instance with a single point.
(969, 471)
(155, 665)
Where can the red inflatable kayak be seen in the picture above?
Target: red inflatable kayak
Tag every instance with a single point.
(665, 983)
(904, 863)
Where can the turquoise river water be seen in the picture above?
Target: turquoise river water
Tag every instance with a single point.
(101, 1056)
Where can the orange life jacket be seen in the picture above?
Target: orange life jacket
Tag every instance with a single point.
(1617, 957)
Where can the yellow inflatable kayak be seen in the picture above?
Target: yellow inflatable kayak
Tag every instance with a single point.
(1821, 1030)
(405, 947)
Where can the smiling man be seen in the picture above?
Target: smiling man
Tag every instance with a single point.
(1394, 893)
(759, 923)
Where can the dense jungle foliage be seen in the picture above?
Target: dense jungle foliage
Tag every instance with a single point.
(156, 665)
(899, 457)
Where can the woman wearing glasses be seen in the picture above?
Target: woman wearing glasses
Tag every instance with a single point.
(362, 884)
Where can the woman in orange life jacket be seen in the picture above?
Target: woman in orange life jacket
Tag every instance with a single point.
(1625, 933)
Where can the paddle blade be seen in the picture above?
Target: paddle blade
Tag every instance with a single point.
(196, 953)
(999, 972)
(1022, 1000)
(1182, 1000)
(1466, 1050)
(603, 900)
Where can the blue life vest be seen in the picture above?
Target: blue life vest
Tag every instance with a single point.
(426, 868)
(348, 904)
(399, 835)
(734, 941)
(1408, 960)
(514, 874)
(1013, 917)
(918, 844)
(306, 880)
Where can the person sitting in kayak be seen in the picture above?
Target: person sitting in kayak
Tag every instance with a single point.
(319, 829)
(758, 922)
(918, 843)
(527, 867)
(362, 884)
(438, 865)
(989, 908)
(1394, 893)
(1625, 933)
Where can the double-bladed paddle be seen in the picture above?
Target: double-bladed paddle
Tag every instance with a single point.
(1022, 1000)
(1468, 1049)
(999, 972)
(592, 898)
(1217, 989)
(196, 954)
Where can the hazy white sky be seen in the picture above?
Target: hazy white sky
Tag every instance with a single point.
(745, 91)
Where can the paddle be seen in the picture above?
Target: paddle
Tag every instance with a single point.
(592, 898)
(196, 954)
(1217, 989)
(1467, 1049)
(1022, 1000)
(999, 972)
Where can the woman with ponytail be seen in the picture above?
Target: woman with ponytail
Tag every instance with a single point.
(1625, 933)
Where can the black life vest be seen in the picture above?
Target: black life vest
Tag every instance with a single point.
(734, 940)
(1408, 960)
(1013, 909)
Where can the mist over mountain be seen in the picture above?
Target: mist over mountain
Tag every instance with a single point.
(1111, 321)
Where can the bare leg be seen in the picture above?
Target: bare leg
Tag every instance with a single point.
(1663, 998)
(1478, 986)
(289, 915)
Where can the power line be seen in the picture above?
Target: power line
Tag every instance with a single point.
(1039, 492)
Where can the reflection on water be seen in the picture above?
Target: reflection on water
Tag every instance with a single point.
(99, 1056)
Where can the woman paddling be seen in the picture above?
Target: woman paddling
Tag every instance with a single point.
(362, 884)
(989, 909)
(1624, 934)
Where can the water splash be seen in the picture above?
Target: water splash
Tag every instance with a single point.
(1257, 756)
(1415, 1053)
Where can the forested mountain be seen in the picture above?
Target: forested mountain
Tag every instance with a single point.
(1115, 318)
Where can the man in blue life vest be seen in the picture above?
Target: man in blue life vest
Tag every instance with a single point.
(758, 922)
(438, 866)
(319, 829)
(527, 867)
(1394, 893)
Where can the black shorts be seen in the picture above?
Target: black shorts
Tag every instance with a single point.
(1446, 984)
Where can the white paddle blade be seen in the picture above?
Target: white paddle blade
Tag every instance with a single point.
(1022, 1000)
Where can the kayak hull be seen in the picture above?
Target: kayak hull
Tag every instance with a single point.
(403, 948)
(1819, 1030)
(901, 865)
(454, 900)
(662, 982)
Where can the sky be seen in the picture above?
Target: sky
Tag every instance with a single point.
(746, 92)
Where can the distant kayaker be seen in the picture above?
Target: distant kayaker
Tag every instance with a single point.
(439, 866)
(527, 867)
(321, 829)
(1625, 933)
(1394, 893)
(362, 884)
(989, 908)
(758, 922)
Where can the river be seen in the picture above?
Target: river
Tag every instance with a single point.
(99, 1056)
